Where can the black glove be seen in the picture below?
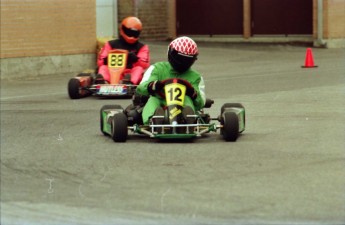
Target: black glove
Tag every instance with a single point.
(132, 57)
(155, 87)
(191, 92)
(105, 61)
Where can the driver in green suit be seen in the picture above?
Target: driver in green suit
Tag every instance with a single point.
(182, 53)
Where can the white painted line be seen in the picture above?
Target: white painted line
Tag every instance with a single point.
(30, 96)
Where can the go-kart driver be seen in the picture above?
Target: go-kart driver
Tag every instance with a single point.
(182, 53)
(138, 53)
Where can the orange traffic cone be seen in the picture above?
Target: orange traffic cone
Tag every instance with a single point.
(309, 60)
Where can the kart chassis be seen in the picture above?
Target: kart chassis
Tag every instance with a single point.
(231, 124)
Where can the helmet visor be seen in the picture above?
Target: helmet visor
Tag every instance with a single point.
(180, 62)
(130, 32)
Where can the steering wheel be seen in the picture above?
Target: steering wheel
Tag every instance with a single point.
(175, 80)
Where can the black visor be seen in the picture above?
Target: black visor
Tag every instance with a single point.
(180, 62)
(130, 32)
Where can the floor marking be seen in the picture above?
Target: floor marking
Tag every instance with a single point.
(28, 96)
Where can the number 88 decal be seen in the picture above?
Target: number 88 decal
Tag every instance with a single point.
(116, 60)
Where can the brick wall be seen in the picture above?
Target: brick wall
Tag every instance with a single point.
(125, 8)
(334, 12)
(47, 27)
(152, 13)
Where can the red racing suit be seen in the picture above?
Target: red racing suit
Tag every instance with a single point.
(138, 59)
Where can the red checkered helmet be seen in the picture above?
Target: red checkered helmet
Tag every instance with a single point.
(182, 53)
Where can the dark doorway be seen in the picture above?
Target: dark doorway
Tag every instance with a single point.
(205, 17)
(283, 17)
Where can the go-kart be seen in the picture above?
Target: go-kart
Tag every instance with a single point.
(85, 84)
(173, 123)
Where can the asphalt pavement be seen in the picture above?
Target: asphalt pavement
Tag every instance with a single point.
(287, 167)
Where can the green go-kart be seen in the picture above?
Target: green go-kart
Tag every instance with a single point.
(173, 123)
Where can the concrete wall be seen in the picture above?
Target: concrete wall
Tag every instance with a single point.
(61, 34)
(46, 65)
(106, 18)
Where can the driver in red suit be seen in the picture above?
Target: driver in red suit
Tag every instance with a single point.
(138, 53)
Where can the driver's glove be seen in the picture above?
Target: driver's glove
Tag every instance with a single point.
(132, 57)
(191, 92)
(105, 61)
(155, 87)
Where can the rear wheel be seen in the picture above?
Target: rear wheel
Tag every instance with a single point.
(119, 130)
(230, 127)
(74, 88)
(106, 107)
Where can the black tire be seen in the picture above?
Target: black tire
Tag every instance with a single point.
(106, 107)
(229, 105)
(119, 130)
(230, 126)
(74, 88)
(236, 105)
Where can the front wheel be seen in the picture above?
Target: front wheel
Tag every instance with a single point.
(119, 130)
(230, 126)
(107, 107)
(230, 105)
(74, 88)
(233, 105)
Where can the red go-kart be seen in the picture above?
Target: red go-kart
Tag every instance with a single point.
(85, 84)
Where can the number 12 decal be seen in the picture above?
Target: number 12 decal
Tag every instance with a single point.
(175, 93)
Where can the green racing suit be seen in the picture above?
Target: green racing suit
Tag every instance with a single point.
(162, 71)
